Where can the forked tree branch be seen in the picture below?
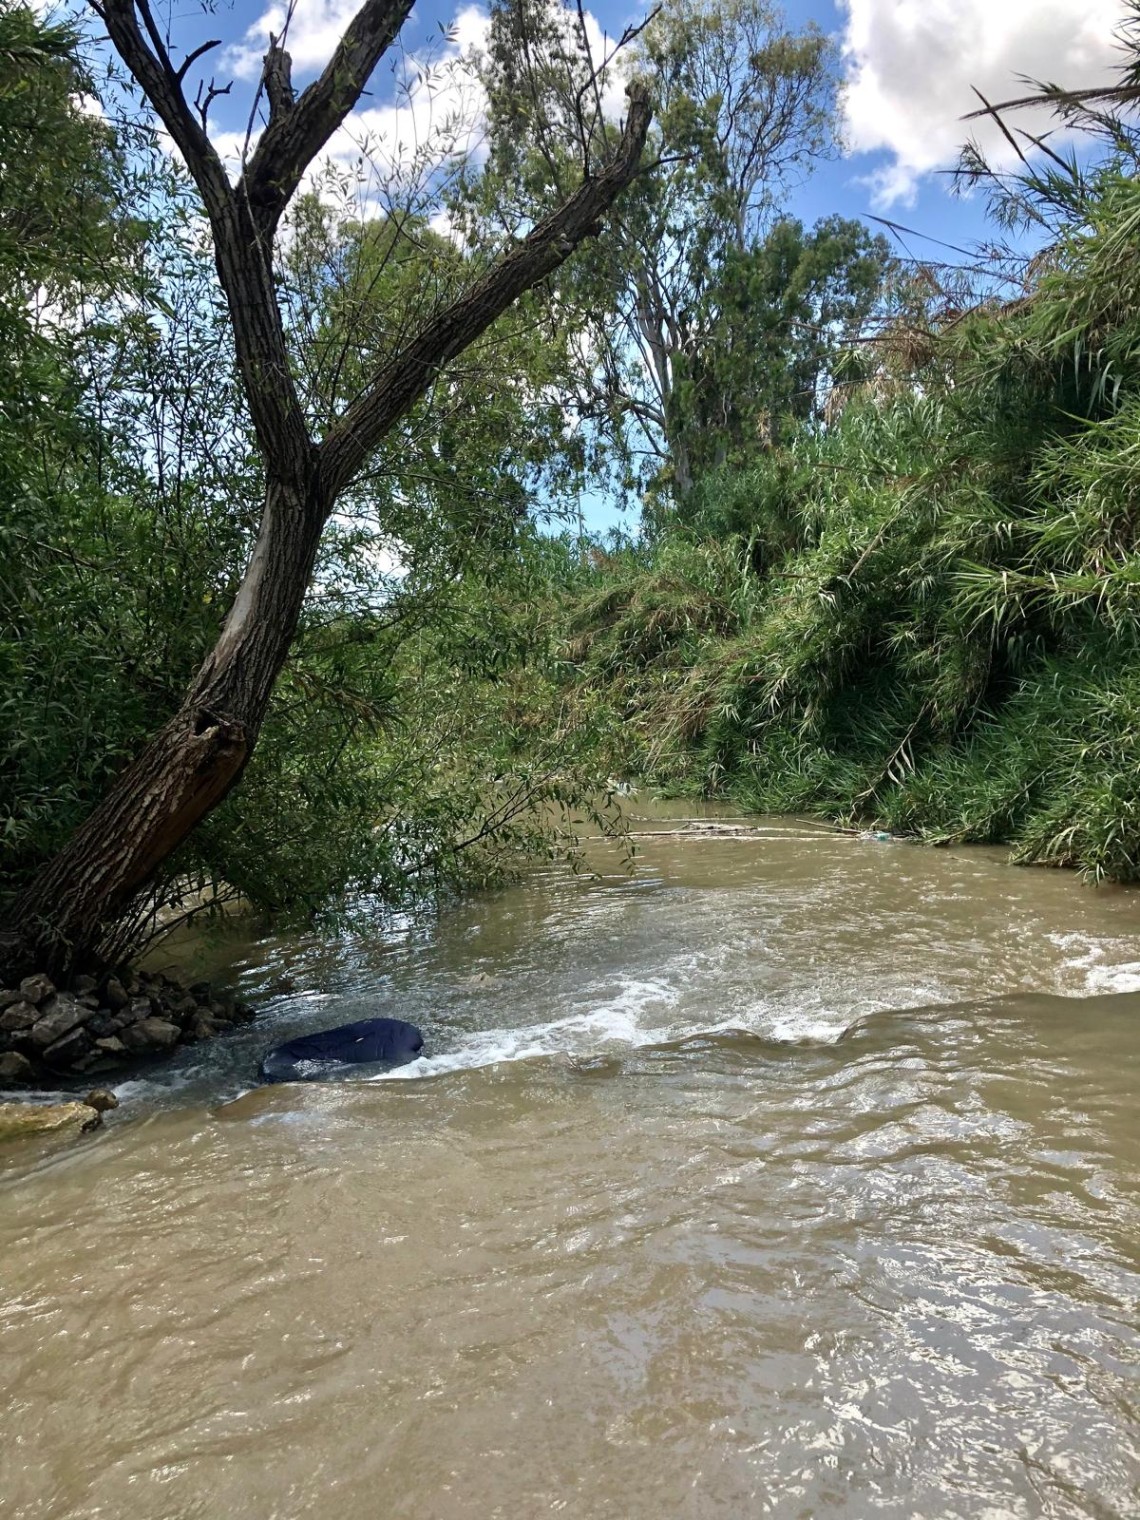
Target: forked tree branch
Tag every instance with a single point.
(297, 133)
(244, 220)
(150, 64)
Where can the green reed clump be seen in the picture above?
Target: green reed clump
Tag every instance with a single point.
(926, 616)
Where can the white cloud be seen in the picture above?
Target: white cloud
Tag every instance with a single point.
(314, 29)
(911, 64)
(427, 111)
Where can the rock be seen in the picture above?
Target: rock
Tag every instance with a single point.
(59, 1015)
(202, 1028)
(18, 1016)
(18, 1119)
(201, 992)
(15, 1068)
(88, 999)
(82, 985)
(8, 996)
(151, 1035)
(115, 994)
(111, 1045)
(183, 1009)
(70, 1050)
(138, 1008)
(48, 1118)
(36, 989)
(244, 1013)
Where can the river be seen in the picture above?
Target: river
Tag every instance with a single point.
(791, 1174)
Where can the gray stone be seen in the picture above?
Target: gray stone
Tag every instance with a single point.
(111, 1045)
(36, 989)
(18, 1016)
(138, 1008)
(68, 1051)
(151, 1034)
(88, 999)
(15, 1068)
(115, 994)
(8, 996)
(57, 1018)
(83, 985)
(202, 1028)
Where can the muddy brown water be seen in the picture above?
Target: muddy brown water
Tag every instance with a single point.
(792, 1175)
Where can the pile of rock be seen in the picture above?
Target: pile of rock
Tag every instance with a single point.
(102, 1024)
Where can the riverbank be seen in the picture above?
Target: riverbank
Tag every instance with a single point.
(104, 1025)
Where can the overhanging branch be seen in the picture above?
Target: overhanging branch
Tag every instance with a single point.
(544, 249)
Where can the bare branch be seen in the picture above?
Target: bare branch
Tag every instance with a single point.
(192, 58)
(205, 98)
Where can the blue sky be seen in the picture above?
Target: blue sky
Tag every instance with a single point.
(909, 65)
(908, 68)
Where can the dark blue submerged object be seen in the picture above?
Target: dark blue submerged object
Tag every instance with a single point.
(382, 1043)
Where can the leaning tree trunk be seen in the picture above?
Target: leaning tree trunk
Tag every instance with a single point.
(199, 755)
(193, 761)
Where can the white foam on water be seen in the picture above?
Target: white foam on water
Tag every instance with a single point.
(636, 1019)
(1098, 964)
(1122, 978)
(616, 1024)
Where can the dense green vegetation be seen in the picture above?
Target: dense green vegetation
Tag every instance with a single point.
(887, 571)
(924, 616)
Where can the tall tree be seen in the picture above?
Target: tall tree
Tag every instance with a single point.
(777, 316)
(200, 753)
(744, 107)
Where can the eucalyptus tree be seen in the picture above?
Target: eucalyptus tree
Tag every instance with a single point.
(744, 107)
(200, 753)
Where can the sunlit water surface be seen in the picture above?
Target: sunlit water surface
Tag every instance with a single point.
(793, 1174)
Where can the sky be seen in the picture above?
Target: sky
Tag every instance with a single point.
(909, 70)
(908, 65)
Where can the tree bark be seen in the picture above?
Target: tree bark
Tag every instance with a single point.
(194, 760)
(199, 755)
